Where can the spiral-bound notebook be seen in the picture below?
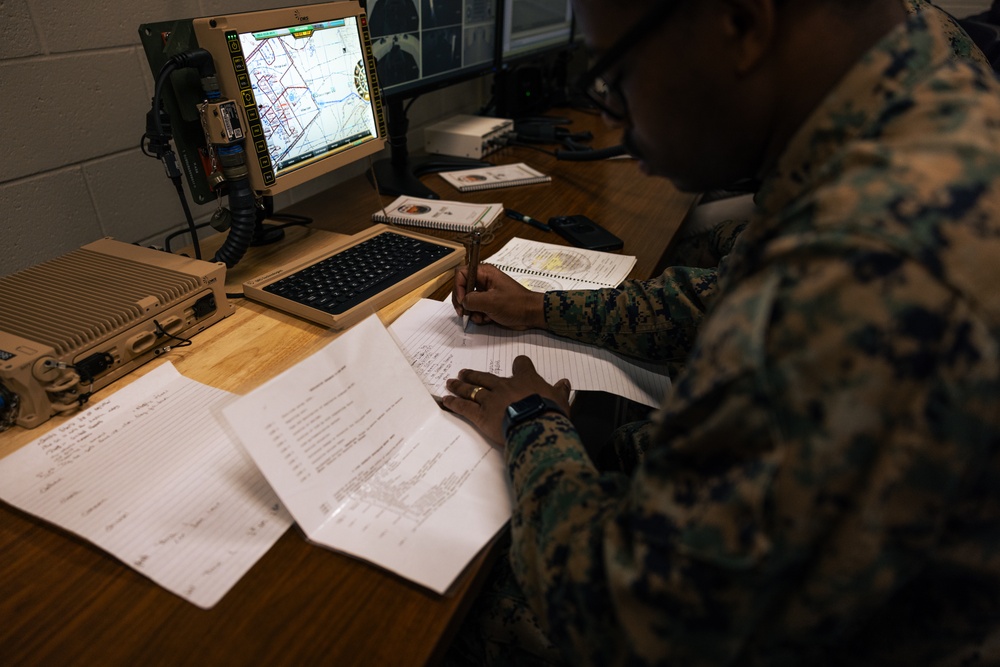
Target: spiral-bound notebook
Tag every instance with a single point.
(545, 267)
(500, 176)
(438, 214)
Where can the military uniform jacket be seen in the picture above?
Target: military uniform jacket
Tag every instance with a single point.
(823, 482)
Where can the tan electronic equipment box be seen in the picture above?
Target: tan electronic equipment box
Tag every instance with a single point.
(77, 323)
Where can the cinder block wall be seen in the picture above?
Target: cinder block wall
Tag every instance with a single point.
(74, 91)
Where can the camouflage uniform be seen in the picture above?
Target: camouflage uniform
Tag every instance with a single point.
(706, 249)
(961, 45)
(824, 482)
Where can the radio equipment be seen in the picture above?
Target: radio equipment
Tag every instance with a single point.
(75, 324)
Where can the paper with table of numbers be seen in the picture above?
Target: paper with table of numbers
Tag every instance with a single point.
(369, 465)
(150, 476)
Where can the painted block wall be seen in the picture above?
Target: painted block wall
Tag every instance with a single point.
(74, 91)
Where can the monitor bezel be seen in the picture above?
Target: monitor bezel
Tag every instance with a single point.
(510, 58)
(210, 32)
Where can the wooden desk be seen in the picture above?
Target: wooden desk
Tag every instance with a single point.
(644, 212)
(63, 601)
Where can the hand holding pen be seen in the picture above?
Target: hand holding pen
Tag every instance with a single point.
(497, 299)
(470, 282)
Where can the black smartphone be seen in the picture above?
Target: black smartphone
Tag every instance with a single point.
(583, 232)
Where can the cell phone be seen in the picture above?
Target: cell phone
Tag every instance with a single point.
(583, 232)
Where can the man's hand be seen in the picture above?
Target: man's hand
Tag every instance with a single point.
(483, 397)
(500, 299)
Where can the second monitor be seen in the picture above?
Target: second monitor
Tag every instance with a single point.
(531, 27)
(422, 44)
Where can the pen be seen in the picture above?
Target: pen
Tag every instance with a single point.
(470, 281)
(529, 220)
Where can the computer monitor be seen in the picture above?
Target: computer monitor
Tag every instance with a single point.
(420, 46)
(260, 102)
(532, 27)
(296, 91)
(536, 39)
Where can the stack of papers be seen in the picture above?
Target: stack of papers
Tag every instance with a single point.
(190, 485)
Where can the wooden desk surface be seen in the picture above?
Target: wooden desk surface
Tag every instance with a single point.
(64, 601)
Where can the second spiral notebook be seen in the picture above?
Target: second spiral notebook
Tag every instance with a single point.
(438, 214)
(498, 176)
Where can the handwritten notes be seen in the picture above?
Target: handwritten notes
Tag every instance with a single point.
(369, 465)
(150, 476)
(432, 338)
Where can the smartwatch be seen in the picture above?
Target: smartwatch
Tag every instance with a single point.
(528, 408)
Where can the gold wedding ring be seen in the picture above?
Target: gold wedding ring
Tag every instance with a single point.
(475, 390)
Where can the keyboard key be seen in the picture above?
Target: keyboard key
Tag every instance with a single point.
(342, 281)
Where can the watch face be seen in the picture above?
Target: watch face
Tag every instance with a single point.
(527, 408)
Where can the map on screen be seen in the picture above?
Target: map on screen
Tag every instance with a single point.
(311, 90)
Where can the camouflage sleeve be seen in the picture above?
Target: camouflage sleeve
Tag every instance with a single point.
(794, 427)
(707, 248)
(654, 320)
(962, 46)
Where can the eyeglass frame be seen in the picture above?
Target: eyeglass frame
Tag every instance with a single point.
(589, 80)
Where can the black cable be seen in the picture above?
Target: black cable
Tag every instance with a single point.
(591, 155)
(172, 236)
(157, 136)
(160, 331)
(531, 146)
(192, 228)
(243, 209)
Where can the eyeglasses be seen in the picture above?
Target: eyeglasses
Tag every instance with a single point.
(607, 94)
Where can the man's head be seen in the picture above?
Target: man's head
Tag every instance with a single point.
(709, 91)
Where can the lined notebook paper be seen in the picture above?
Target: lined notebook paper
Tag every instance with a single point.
(150, 476)
(433, 339)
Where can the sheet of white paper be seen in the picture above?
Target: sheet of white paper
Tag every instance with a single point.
(544, 267)
(431, 336)
(149, 476)
(367, 462)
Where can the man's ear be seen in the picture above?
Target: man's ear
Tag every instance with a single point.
(749, 28)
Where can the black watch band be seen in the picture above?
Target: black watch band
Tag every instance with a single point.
(528, 408)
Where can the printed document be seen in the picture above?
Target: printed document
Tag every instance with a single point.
(545, 267)
(431, 336)
(370, 465)
(150, 476)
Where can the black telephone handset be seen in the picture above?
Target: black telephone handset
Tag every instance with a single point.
(583, 232)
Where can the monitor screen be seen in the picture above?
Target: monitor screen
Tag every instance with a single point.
(311, 90)
(303, 82)
(531, 27)
(426, 44)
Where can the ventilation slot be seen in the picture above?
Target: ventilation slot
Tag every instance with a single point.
(85, 296)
